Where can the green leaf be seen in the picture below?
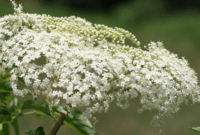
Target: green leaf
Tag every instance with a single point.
(4, 96)
(38, 131)
(20, 86)
(36, 105)
(1, 127)
(4, 77)
(30, 132)
(6, 129)
(38, 115)
(79, 123)
(5, 89)
(8, 99)
(21, 79)
(13, 105)
(15, 126)
(29, 92)
(5, 115)
(197, 129)
(5, 86)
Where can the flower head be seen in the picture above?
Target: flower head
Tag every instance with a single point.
(69, 60)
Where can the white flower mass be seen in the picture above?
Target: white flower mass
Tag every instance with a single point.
(81, 67)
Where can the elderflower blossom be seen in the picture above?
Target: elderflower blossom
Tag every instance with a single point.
(81, 67)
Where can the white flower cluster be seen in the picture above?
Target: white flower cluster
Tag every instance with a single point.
(83, 69)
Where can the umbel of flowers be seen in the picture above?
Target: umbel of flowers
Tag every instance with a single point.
(83, 69)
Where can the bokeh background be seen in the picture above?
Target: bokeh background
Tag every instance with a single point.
(174, 22)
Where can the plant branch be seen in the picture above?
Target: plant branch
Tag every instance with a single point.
(58, 124)
(26, 113)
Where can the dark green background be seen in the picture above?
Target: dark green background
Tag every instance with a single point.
(149, 21)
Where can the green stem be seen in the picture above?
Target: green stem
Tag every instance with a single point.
(26, 113)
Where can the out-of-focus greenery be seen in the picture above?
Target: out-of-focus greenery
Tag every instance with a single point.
(148, 21)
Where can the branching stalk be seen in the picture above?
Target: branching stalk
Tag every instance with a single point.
(58, 124)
